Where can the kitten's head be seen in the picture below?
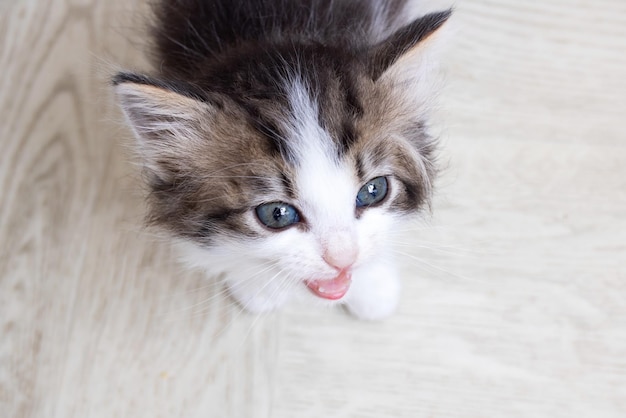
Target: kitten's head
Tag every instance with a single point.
(294, 158)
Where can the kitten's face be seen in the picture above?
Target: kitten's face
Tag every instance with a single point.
(213, 183)
(294, 173)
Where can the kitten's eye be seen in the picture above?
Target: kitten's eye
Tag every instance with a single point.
(277, 215)
(373, 192)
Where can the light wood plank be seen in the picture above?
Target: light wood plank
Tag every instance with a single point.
(515, 299)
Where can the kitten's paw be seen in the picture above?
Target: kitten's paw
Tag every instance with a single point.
(254, 300)
(374, 293)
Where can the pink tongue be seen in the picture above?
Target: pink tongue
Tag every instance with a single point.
(332, 289)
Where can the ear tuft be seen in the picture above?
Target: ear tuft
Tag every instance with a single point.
(406, 42)
(124, 77)
(166, 122)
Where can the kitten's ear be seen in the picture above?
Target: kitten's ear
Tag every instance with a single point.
(405, 55)
(167, 123)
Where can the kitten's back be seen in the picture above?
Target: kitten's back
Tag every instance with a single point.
(188, 33)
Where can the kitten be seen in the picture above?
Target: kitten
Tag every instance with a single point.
(284, 140)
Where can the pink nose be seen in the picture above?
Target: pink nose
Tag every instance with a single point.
(340, 258)
(340, 261)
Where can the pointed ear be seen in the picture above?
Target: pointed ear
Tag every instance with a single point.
(168, 121)
(405, 51)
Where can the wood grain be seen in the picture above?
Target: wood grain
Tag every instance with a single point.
(515, 300)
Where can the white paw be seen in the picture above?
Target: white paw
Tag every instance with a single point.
(375, 292)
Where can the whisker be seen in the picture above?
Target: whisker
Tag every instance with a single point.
(212, 177)
(244, 308)
(285, 280)
(219, 294)
(437, 268)
(251, 163)
(460, 252)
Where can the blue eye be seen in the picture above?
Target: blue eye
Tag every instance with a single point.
(374, 191)
(277, 215)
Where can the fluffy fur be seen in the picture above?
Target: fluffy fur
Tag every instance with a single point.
(303, 102)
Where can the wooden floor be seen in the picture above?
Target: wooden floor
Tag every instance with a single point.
(515, 300)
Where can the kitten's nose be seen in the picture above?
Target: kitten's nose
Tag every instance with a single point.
(340, 250)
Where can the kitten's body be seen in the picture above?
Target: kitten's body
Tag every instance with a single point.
(295, 104)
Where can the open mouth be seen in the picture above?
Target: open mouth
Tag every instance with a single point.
(333, 289)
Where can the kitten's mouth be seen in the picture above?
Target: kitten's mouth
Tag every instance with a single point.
(333, 289)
